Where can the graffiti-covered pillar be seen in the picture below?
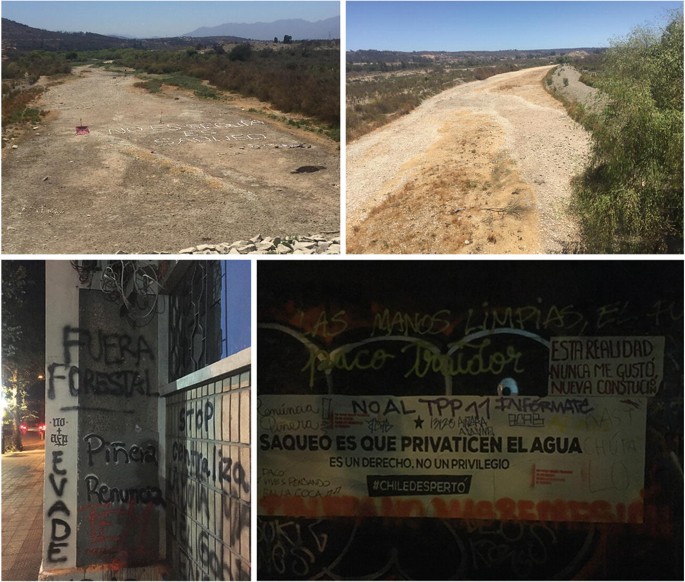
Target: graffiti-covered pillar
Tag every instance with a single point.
(104, 508)
(61, 458)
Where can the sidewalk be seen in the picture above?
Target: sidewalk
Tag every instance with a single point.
(22, 510)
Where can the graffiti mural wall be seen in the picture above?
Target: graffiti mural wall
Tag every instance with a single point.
(208, 478)
(450, 420)
(121, 504)
(148, 380)
(106, 505)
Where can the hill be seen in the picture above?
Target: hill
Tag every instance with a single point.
(298, 28)
(377, 56)
(20, 37)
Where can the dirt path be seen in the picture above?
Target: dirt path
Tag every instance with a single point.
(158, 173)
(484, 167)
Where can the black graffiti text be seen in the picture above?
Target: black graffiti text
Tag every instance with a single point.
(124, 383)
(60, 530)
(102, 493)
(118, 451)
(200, 415)
(107, 348)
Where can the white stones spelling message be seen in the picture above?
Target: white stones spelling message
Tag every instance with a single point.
(207, 132)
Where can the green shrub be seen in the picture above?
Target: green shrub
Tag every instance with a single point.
(34, 64)
(15, 105)
(630, 199)
(304, 81)
(153, 85)
(206, 92)
(241, 52)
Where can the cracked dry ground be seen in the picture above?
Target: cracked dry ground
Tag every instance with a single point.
(158, 173)
(484, 167)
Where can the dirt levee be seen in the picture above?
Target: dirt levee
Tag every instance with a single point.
(484, 167)
(158, 173)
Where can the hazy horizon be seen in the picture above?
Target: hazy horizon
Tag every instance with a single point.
(521, 50)
(150, 19)
(490, 26)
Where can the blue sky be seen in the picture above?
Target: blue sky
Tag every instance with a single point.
(148, 19)
(483, 25)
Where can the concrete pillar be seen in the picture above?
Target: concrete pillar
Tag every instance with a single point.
(104, 505)
(61, 421)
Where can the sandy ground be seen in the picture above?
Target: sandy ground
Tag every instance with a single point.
(158, 173)
(484, 167)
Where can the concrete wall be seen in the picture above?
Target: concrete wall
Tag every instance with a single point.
(104, 505)
(61, 420)
(131, 475)
(208, 471)
(120, 503)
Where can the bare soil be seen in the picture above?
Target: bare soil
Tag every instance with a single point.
(160, 172)
(484, 167)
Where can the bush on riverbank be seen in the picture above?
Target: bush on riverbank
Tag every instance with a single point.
(630, 199)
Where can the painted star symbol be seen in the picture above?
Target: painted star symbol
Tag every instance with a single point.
(418, 422)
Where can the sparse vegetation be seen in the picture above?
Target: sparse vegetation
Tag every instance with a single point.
(578, 111)
(304, 123)
(630, 198)
(20, 75)
(16, 105)
(384, 85)
(154, 85)
(373, 101)
(33, 65)
(300, 77)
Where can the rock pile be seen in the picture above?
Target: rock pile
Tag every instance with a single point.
(316, 244)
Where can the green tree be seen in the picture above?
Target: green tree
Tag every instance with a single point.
(240, 52)
(631, 197)
(22, 356)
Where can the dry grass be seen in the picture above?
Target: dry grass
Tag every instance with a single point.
(17, 105)
(376, 99)
(464, 195)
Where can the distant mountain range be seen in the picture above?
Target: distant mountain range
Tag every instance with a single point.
(298, 29)
(17, 36)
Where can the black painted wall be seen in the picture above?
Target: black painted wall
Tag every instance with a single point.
(591, 298)
(121, 506)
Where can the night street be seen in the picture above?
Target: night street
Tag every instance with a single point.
(22, 505)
